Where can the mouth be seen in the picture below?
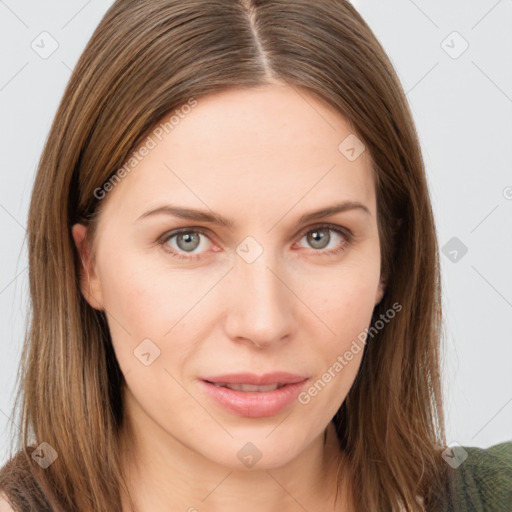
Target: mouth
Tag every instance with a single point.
(248, 388)
(278, 378)
(254, 396)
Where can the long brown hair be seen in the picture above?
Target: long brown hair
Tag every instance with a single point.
(146, 59)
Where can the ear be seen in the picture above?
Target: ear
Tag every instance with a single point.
(380, 290)
(90, 285)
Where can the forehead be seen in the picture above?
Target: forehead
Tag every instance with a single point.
(257, 150)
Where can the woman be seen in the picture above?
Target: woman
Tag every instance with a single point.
(294, 346)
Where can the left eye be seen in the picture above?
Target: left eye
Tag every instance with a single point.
(319, 238)
(183, 242)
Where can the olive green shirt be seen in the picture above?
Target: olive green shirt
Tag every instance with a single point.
(483, 481)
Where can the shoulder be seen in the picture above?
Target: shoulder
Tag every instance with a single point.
(19, 489)
(4, 504)
(481, 477)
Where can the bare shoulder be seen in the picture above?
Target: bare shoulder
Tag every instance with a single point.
(4, 504)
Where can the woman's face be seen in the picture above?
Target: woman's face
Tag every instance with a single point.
(266, 292)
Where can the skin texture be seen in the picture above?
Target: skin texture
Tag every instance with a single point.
(261, 157)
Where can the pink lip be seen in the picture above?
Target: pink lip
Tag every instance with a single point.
(255, 404)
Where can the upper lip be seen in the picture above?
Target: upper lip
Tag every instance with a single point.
(257, 380)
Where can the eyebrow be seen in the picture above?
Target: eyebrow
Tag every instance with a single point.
(216, 219)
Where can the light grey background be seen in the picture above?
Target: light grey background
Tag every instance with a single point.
(462, 105)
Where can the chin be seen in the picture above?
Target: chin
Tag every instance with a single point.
(257, 450)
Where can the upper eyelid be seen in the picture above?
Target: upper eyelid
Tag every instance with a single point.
(329, 225)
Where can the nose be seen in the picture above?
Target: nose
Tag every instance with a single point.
(260, 306)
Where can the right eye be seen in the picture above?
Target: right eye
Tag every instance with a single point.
(182, 242)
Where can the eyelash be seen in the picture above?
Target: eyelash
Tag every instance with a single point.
(344, 232)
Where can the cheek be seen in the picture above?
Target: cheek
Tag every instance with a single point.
(149, 295)
(149, 302)
(345, 304)
(346, 298)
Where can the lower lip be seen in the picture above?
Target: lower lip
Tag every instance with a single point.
(254, 404)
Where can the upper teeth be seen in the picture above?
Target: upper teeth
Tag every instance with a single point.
(249, 387)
